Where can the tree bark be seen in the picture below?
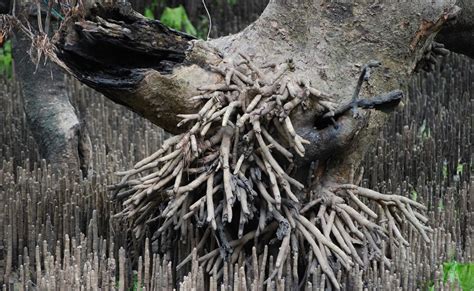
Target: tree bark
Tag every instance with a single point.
(326, 40)
(241, 147)
(61, 136)
(136, 62)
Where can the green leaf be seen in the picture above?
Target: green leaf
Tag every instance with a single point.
(149, 13)
(449, 272)
(6, 59)
(177, 18)
(7, 47)
(135, 287)
(462, 273)
(189, 28)
(465, 273)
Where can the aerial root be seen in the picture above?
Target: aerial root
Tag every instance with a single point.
(231, 141)
(231, 167)
(341, 223)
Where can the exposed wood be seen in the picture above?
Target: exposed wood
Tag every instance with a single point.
(128, 58)
(136, 62)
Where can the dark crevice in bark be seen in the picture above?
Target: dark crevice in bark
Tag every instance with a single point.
(459, 41)
(458, 36)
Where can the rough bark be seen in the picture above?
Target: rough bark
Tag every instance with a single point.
(61, 135)
(325, 50)
(134, 62)
(326, 40)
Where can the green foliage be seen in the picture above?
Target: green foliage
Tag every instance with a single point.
(460, 169)
(429, 286)
(414, 195)
(135, 287)
(232, 2)
(150, 10)
(462, 273)
(149, 13)
(6, 59)
(177, 18)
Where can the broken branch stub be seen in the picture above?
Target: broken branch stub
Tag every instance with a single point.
(136, 62)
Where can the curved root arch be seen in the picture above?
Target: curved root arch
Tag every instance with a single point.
(232, 172)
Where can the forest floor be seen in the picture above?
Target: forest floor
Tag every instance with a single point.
(57, 231)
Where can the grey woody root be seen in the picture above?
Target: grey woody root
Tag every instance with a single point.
(230, 173)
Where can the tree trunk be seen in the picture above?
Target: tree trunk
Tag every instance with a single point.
(326, 40)
(290, 112)
(61, 136)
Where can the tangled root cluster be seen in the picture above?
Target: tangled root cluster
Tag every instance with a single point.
(231, 174)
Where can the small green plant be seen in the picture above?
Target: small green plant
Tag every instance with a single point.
(414, 195)
(460, 169)
(177, 18)
(135, 286)
(149, 10)
(149, 13)
(6, 59)
(462, 273)
(429, 286)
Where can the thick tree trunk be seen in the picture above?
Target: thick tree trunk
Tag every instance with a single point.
(325, 39)
(331, 39)
(250, 146)
(61, 136)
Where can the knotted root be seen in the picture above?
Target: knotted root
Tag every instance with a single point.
(229, 174)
